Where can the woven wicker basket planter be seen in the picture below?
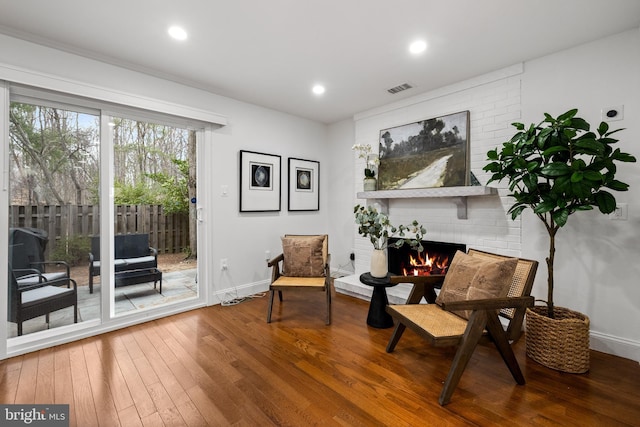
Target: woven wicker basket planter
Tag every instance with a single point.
(561, 343)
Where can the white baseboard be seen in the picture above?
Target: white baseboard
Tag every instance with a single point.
(617, 346)
(240, 291)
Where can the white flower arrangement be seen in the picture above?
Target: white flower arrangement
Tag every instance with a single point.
(364, 152)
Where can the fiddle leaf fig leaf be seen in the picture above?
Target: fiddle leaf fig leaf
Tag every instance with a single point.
(556, 169)
(614, 184)
(606, 202)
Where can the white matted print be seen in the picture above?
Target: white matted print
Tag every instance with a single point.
(304, 185)
(260, 179)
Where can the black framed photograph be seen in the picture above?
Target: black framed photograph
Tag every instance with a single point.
(260, 179)
(304, 185)
(425, 154)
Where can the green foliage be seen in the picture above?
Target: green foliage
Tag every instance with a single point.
(137, 194)
(557, 168)
(377, 227)
(73, 250)
(174, 191)
(164, 189)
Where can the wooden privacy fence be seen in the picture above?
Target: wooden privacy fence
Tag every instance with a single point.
(167, 233)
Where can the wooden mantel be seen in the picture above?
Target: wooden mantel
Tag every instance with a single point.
(458, 194)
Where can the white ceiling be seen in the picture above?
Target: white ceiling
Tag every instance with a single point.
(271, 52)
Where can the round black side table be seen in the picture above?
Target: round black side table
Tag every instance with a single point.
(378, 316)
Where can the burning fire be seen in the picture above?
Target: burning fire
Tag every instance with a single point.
(425, 265)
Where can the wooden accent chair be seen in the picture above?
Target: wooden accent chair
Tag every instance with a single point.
(468, 307)
(40, 297)
(305, 267)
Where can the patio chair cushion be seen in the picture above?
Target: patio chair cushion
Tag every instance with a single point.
(303, 256)
(471, 278)
(39, 294)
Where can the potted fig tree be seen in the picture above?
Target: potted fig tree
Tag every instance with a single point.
(557, 168)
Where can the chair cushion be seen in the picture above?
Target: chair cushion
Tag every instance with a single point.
(303, 256)
(472, 277)
(43, 293)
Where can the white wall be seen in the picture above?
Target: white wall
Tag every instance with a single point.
(596, 258)
(596, 268)
(340, 140)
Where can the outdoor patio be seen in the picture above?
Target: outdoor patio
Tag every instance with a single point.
(176, 286)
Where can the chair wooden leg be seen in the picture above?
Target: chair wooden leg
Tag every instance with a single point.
(270, 306)
(280, 295)
(328, 291)
(472, 335)
(395, 337)
(494, 327)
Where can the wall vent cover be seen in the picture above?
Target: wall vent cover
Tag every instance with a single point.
(399, 88)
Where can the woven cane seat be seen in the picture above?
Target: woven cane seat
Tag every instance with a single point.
(437, 322)
(297, 282)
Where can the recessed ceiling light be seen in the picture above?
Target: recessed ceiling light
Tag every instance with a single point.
(318, 89)
(177, 33)
(417, 47)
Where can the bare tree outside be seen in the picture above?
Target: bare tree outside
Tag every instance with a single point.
(55, 161)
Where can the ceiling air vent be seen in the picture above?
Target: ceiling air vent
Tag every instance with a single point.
(399, 88)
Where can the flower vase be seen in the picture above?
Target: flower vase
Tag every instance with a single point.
(370, 184)
(379, 266)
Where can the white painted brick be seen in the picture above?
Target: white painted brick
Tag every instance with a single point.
(493, 107)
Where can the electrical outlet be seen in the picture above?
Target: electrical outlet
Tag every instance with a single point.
(223, 264)
(267, 255)
(352, 256)
(621, 213)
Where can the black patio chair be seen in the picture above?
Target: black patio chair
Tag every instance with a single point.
(27, 256)
(40, 299)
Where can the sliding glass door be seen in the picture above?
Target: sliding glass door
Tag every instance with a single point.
(102, 224)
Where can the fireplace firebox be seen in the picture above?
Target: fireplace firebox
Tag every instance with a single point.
(434, 259)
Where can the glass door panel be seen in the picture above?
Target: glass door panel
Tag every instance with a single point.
(53, 216)
(155, 248)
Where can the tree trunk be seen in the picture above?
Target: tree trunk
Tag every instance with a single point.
(550, 259)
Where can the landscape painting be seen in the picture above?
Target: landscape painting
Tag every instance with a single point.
(425, 154)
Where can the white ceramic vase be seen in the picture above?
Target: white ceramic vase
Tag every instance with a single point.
(379, 266)
(370, 184)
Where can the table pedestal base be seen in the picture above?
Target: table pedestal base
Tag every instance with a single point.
(378, 316)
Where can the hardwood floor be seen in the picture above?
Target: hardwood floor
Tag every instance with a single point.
(227, 366)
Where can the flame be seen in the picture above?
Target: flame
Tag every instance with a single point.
(424, 265)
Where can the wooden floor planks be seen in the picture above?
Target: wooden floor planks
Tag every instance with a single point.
(222, 366)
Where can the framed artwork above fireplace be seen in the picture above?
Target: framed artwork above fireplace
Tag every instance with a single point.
(425, 154)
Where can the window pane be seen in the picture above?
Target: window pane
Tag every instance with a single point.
(154, 182)
(53, 213)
